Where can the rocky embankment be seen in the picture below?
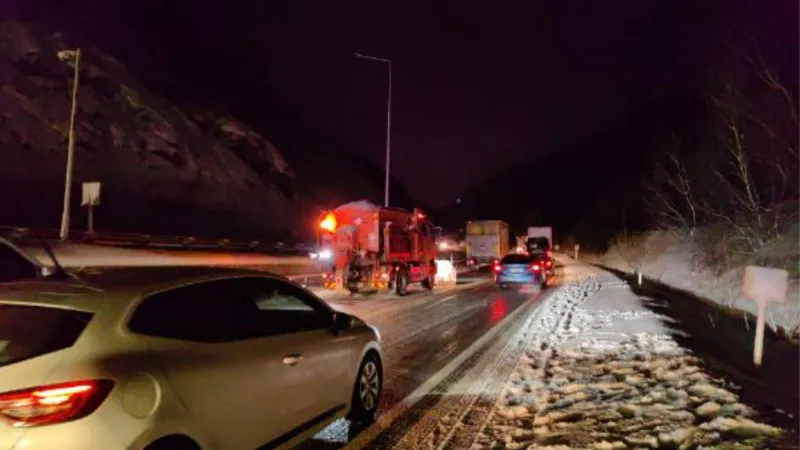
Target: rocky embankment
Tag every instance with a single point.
(162, 170)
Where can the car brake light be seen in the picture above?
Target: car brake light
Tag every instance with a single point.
(498, 267)
(549, 254)
(55, 403)
(536, 268)
(548, 263)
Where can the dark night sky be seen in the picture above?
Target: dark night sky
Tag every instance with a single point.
(475, 92)
(476, 89)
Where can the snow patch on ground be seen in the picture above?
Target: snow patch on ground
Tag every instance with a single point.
(624, 391)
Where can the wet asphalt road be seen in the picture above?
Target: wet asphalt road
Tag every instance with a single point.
(421, 333)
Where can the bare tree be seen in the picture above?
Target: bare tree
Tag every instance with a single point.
(754, 166)
(670, 194)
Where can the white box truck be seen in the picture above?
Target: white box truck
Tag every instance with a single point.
(487, 240)
(540, 240)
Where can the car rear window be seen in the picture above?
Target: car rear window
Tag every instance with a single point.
(30, 331)
(516, 259)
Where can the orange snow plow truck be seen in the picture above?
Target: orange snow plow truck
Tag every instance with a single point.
(367, 248)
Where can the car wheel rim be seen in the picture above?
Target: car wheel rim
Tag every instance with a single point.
(369, 386)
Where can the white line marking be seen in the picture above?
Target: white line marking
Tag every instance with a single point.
(385, 420)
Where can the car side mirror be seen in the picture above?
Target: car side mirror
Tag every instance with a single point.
(341, 322)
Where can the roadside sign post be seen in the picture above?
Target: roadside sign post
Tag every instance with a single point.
(577, 247)
(763, 285)
(90, 199)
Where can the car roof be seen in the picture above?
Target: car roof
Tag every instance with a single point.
(88, 288)
(145, 280)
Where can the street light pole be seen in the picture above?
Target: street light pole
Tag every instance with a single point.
(388, 123)
(75, 55)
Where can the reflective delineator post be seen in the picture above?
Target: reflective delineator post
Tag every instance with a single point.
(758, 344)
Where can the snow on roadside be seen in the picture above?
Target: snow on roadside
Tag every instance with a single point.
(618, 391)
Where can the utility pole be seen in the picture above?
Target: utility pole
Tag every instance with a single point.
(388, 123)
(75, 56)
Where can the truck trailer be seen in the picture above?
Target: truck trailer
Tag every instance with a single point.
(486, 240)
(541, 232)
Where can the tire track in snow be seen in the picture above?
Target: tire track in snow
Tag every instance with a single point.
(398, 424)
(466, 430)
(451, 408)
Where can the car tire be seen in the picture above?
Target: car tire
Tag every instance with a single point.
(401, 284)
(367, 390)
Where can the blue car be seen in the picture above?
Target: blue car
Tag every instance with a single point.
(520, 270)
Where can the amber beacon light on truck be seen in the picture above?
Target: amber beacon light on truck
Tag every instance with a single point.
(328, 225)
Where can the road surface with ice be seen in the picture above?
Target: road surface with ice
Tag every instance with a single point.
(591, 368)
(422, 333)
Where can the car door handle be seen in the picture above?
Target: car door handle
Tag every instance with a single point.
(291, 360)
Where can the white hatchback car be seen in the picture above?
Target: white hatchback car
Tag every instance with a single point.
(177, 358)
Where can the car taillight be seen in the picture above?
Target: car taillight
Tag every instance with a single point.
(549, 254)
(549, 263)
(55, 403)
(535, 268)
(498, 267)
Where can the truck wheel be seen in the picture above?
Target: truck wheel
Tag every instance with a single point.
(401, 284)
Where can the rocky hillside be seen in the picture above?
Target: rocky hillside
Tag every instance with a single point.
(162, 170)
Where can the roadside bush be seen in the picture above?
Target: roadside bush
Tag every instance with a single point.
(664, 256)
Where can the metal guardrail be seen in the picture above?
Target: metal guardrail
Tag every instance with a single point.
(133, 240)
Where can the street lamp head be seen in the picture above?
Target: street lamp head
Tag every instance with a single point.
(372, 58)
(67, 55)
